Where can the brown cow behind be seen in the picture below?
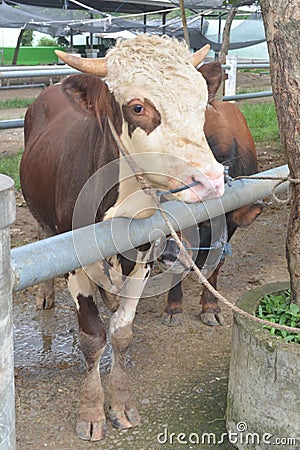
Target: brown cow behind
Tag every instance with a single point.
(232, 144)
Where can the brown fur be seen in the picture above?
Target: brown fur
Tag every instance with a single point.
(52, 123)
(231, 141)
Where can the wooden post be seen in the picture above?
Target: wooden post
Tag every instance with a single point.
(16, 52)
(7, 395)
(184, 24)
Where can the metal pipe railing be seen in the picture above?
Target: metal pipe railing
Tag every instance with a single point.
(22, 86)
(43, 260)
(7, 74)
(19, 123)
(11, 123)
(227, 98)
(56, 71)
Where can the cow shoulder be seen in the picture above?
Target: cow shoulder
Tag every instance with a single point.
(89, 94)
(230, 139)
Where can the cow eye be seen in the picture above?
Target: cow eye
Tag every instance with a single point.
(138, 109)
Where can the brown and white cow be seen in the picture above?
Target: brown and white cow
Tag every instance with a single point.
(156, 101)
(232, 144)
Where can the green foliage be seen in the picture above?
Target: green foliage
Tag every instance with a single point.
(10, 166)
(62, 41)
(277, 308)
(262, 121)
(27, 38)
(47, 42)
(16, 103)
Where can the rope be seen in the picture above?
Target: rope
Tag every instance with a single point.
(281, 180)
(184, 256)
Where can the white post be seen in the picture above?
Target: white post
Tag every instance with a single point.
(230, 83)
(7, 394)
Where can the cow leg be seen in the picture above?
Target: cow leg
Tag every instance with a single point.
(122, 411)
(45, 294)
(210, 314)
(91, 418)
(172, 312)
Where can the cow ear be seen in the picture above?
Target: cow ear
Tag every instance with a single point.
(245, 215)
(85, 92)
(212, 72)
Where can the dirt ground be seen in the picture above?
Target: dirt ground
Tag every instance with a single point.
(178, 375)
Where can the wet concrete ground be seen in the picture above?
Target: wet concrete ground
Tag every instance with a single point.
(178, 375)
(177, 392)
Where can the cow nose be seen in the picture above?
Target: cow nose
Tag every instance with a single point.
(217, 184)
(209, 186)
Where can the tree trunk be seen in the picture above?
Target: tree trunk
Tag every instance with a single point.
(282, 24)
(226, 34)
(16, 52)
(184, 23)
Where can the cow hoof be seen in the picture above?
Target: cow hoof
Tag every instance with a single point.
(45, 302)
(125, 419)
(171, 320)
(91, 431)
(211, 319)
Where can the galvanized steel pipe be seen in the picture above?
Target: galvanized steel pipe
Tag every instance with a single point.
(227, 98)
(7, 397)
(253, 66)
(6, 74)
(39, 261)
(40, 67)
(11, 123)
(22, 86)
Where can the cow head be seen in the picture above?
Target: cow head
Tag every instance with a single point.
(162, 100)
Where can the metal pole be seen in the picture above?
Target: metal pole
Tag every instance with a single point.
(43, 260)
(6, 74)
(11, 123)
(7, 395)
(22, 86)
(261, 94)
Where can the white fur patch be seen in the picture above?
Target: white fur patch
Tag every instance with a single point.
(160, 69)
(80, 283)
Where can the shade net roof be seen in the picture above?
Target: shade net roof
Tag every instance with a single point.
(63, 22)
(124, 6)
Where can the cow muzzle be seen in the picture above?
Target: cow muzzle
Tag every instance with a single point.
(169, 260)
(203, 186)
(206, 188)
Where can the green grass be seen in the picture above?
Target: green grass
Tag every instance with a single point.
(262, 70)
(16, 103)
(277, 309)
(262, 121)
(10, 165)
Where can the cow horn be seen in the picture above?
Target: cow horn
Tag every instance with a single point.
(199, 55)
(95, 66)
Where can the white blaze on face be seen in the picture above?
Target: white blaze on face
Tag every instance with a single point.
(163, 99)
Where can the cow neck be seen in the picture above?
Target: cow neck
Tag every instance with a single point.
(132, 200)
